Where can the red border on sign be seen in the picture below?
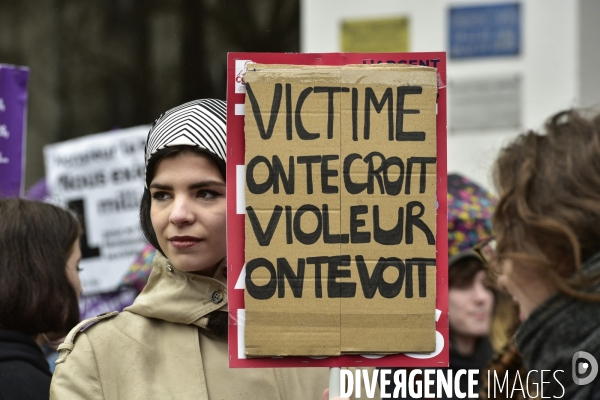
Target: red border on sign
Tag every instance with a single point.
(236, 221)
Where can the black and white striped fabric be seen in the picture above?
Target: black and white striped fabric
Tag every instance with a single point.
(199, 123)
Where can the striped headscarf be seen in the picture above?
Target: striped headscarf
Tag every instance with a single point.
(199, 123)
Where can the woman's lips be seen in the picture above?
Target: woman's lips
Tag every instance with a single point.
(184, 242)
(479, 315)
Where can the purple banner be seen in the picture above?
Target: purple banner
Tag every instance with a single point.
(13, 114)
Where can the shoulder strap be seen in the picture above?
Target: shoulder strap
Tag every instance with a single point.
(67, 346)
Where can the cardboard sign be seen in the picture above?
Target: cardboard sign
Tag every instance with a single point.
(339, 185)
(101, 178)
(13, 114)
(340, 246)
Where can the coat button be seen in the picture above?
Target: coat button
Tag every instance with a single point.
(217, 297)
(169, 268)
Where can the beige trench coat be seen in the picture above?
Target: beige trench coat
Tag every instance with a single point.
(158, 349)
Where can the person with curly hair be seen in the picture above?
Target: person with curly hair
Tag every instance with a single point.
(547, 224)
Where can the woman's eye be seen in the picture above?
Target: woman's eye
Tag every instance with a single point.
(160, 196)
(207, 194)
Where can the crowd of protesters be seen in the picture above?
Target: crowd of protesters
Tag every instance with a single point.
(524, 277)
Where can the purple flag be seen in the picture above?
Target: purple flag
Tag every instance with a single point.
(13, 114)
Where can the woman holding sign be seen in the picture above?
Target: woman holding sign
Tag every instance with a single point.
(547, 223)
(172, 342)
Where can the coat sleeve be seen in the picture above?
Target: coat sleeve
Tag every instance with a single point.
(77, 377)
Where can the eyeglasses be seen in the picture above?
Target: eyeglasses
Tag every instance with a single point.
(486, 250)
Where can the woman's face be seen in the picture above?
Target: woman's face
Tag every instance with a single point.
(188, 212)
(72, 267)
(470, 307)
(527, 287)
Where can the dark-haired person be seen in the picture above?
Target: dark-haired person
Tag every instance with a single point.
(470, 295)
(172, 342)
(547, 225)
(39, 288)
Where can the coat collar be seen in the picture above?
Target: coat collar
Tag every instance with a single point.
(18, 347)
(181, 297)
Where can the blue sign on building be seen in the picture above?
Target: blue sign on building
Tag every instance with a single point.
(484, 31)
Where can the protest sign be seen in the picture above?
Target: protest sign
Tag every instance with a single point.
(339, 181)
(101, 178)
(13, 114)
(340, 193)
